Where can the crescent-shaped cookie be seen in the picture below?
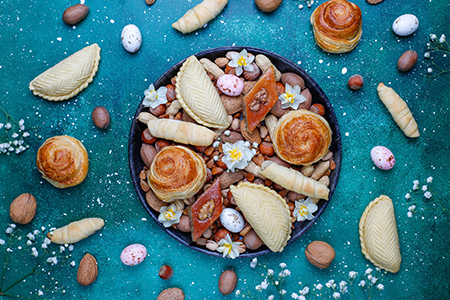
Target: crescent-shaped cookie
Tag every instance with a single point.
(198, 96)
(69, 77)
(267, 213)
(378, 235)
(63, 161)
(76, 231)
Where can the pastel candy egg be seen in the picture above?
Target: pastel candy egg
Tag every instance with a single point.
(230, 85)
(133, 254)
(232, 220)
(382, 157)
(405, 25)
(131, 38)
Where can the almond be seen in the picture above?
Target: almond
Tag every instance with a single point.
(23, 209)
(171, 294)
(407, 61)
(74, 14)
(268, 5)
(100, 117)
(87, 270)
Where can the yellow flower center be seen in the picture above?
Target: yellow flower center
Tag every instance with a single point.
(303, 211)
(227, 247)
(290, 97)
(169, 214)
(242, 61)
(235, 155)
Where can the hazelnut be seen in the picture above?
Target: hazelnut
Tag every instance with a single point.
(355, 82)
(165, 272)
(320, 254)
(318, 109)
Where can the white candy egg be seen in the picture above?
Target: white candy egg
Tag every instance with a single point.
(382, 157)
(131, 38)
(405, 25)
(133, 254)
(232, 220)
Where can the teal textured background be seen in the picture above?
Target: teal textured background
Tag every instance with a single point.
(34, 38)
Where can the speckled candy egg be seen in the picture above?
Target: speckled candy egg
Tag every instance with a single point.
(133, 254)
(382, 157)
(405, 25)
(131, 38)
(232, 220)
(230, 85)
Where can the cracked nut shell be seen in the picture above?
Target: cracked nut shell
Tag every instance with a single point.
(320, 254)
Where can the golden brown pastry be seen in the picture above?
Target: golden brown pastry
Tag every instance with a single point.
(337, 26)
(63, 161)
(378, 235)
(176, 173)
(399, 110)
(301, 137)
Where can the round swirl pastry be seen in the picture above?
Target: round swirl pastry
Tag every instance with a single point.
(176, 173)
(302, 137)
(337, 26)
(63, 161)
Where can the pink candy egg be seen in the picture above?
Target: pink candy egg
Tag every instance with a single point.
(382, 157)
(133, 254)
(230, 85)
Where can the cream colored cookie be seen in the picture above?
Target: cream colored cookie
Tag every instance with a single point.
(267, 213)
(69, 77)
(378, 235)
(198, 96)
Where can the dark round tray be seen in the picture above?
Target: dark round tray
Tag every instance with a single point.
(284, 65)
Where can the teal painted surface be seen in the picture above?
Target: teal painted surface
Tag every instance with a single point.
(34, 38)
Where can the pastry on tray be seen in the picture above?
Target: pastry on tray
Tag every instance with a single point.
(337, 26)
(205, 210)
(198, 96)
(378, 235)
(176, 173)
(267, 213)
(69, 77)
(63, 161)
(301, 137)
(293, 180)
(260, 99)
(181, 132)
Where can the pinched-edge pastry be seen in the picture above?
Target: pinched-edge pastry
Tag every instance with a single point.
(198, 96)
(293, 180)
(267, 213)
(181, 132)
(69, 77)
(378, 235)
(176, 173)
(63, 161)
(301, 137)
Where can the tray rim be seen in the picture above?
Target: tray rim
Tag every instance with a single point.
(309, 81)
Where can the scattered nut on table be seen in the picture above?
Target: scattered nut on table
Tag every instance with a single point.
(320, 254)
(23, 209)
(227, 282)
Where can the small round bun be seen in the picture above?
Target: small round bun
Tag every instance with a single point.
(63, 161)
(337, 26)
